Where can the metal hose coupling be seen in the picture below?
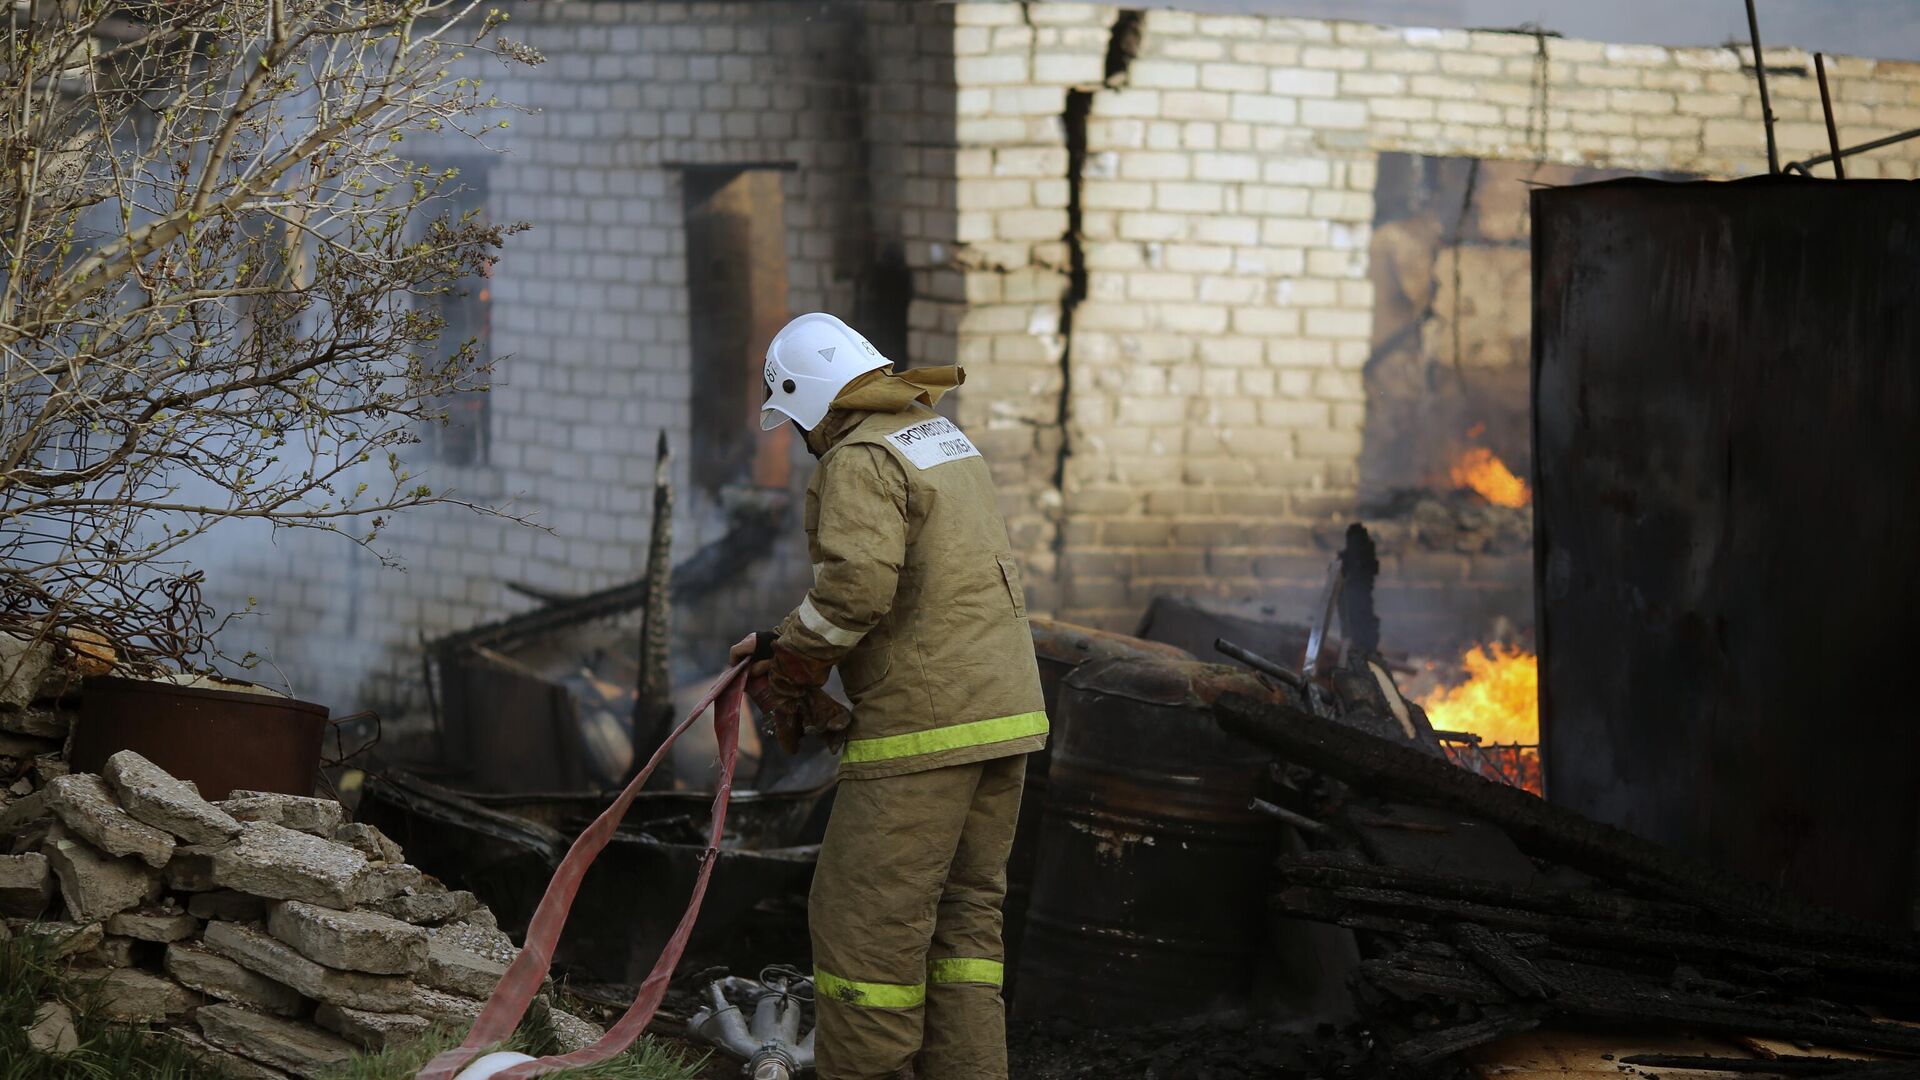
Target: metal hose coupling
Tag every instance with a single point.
(759, 1022)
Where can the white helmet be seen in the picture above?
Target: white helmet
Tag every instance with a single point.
(808, 362)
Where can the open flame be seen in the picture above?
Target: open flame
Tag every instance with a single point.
(1479, 469)
(1500, 702)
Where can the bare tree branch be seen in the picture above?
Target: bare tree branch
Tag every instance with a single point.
(216, 294)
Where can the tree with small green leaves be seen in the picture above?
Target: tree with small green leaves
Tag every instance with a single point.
(215, 255)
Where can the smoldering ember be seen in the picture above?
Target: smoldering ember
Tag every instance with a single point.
(963, 540)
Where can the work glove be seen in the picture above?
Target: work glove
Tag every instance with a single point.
(788, 688)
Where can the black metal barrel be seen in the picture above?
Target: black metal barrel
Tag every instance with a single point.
(1151, 873)
(1060, 647)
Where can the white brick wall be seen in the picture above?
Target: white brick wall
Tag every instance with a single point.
(1213, 399)
(590, 313)
(1227, 206)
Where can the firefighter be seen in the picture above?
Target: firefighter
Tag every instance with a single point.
(917, 600)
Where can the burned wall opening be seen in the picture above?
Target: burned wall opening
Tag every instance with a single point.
(1445, 473)
(737, 301)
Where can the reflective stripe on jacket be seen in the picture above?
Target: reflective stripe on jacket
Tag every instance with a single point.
(916, 596)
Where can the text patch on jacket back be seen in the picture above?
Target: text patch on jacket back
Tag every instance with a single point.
(933, 442)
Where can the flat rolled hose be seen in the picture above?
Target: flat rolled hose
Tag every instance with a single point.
(517, 988)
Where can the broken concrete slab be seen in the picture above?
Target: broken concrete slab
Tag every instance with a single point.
(459, 970)
(229, 905)
(571, 1032)
(151, 795)
(49, 767)
(442, 1007)
(300, 1049)
(266, 955)
(369, 841)
(136, 997)
(198, 968)
(319, 817)
(26, 885)
(64, 938)
(52, 1032)
(282, 864)
(350, 940)
(191, 868)
(154, 925)
(386, 880)
(482, 917)
(473, 937)
(85, 804)
(37, 721)
(23, 666)
(375, 1031)
(218, 1061)
(23, 818)
(424, 908)
(95, 885)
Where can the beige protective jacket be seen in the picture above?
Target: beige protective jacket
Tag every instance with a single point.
(916, 595)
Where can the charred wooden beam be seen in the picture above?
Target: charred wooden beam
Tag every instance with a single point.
(1782, 1066)
(1498, 958)
(1600, 993)
(1401, 772)
(1434, 1045)
(653, 697)
(1634, 913)
(750, 536)
(1865, 976)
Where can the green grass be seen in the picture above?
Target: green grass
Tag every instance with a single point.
(646, 1061)
(29, 976)
(108, 1050)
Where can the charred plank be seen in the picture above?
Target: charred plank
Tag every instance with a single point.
(1494, 954)
(1434, 1045)
(1400, 772)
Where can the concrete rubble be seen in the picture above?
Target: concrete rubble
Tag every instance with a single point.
(153, 797)
(281, 864)
(53, 1031)
(94, 884)
(263, 934)
(26, 885)
(297, 1048)
(320, 817)
(86, 805)
(351, 940)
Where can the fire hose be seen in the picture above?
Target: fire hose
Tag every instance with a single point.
(509, 1000)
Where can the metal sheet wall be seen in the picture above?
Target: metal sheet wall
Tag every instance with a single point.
(1726, 389)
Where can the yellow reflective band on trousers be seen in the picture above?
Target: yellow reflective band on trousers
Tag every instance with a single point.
(954, 737)
(966, 969)
(870, 995)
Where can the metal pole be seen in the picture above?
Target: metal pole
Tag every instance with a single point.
(1826, 106)
(1766, 106)
(1806, 166)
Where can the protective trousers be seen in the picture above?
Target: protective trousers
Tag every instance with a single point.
(905, 918)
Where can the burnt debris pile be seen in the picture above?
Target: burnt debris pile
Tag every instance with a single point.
(1478, 910)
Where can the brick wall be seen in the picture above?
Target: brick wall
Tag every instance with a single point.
(1159, 283)
(1213, 383)
(590, 316)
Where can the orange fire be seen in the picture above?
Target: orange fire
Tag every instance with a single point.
(1479, 469)
(1500, 701)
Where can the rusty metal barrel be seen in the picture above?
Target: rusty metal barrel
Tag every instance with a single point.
(1060, 647)
(221, 740)
(1151, 872)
